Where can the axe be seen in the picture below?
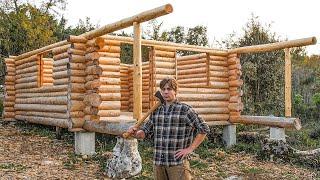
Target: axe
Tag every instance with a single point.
(140, 121)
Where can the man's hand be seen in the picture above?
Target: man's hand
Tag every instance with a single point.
(182, 153)
(135, 132)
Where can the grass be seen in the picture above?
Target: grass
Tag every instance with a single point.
(14, 167)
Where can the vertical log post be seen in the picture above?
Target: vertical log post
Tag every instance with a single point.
(137, 72)
(287, 91)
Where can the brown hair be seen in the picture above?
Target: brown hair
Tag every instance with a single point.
(172, 83)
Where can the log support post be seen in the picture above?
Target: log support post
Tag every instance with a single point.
(229, 135)
(84, 143)
(137, 72)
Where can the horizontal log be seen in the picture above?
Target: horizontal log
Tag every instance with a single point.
(187, 76)
(224, 74)
(112, 68)
(191, 66)
(164, 54)
(219, 85)
(215, 117)
(59, 69)
(79, 46)
(110, 96)
(109, 61)
(63, 55)
(28, 70)
(61, 62)
(26, 60)
(27, 79)
(218, 68)
(218, 58)
(111, 49)
(281, 122)
(76, 39)
(110, 126)
(192, 71)
(27, 65)
(26, 85)
(159, 64)
(50, 94)
(216, 110)
(77, 96)
(59, 88)
(77, 58)
(202, 91)
(61, 100)
(76, 52)
(110, 105)
(43, 114)
(109, 54)
(61, 49)
(218, 63)
(192, 57)
(192, 80)
(214, 79)
(64, 123)
(208, 104)
(109, 113)
(41, 108)
(199, 97)
(274, 46)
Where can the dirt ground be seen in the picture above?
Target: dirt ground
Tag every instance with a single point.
(30, 156)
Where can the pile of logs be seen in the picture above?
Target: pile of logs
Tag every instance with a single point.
(10, 97)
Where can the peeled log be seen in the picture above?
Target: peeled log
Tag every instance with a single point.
(215, 117)
(110, 105)
(199, 97)
(64, 123)
(208, 104)
(43, 114)
(281, 122)
(109, 113)
(43, 100)
(41, 107)
(217, 110)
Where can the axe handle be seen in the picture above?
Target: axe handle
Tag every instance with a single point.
(140, 121)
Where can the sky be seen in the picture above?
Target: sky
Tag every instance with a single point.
(290, 20)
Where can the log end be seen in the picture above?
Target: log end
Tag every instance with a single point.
(297, 124)
(314, 40)
(168, 8)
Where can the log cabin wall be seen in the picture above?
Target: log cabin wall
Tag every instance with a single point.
(103, 83)
(124, 85)
(75, 79)
(200, 79)
(46, 71)
(10, 94)
(235, 83)
(36, 101)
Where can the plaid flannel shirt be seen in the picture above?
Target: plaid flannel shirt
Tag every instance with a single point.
(173, 129)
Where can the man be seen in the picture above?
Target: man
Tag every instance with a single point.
(172, 126)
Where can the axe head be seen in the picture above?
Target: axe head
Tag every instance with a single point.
(159, 96)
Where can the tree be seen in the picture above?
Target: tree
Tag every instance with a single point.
(262, 73)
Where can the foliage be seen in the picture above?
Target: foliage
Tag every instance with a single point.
(262, 73)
